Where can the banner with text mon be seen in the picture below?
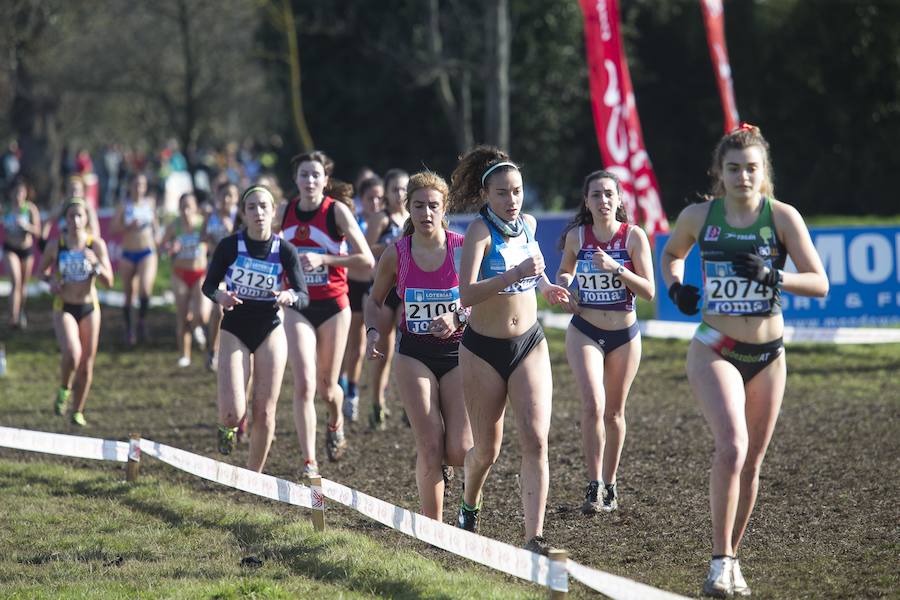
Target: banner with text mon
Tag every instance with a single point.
(863, 267)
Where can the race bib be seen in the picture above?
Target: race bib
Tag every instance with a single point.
(319, 275)
(190, 246)
(73, 266)
(516, 255)
(254, 279)
(596, 287)
(423, 305)
(727, 293)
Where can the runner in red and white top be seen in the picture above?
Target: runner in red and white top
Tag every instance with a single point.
(320, 223)
(609, 262)
(422, 267)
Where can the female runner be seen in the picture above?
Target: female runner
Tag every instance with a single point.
(252, 264)
(21, 226)
(318, 221)
(136, 221)
(79, 258)
(609, 261)
(383, 230)
(219, 224)
(503, 351)
(736, 365)
(421, 265)
(359, 280)
(188, 250)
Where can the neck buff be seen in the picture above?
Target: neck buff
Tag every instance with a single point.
(509, 229)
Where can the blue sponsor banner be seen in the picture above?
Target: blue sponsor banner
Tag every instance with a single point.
(863, 267)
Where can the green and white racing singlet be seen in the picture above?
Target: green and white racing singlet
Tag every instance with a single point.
(724, 292)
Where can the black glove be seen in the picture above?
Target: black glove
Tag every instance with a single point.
(753, 267)
(685, 297)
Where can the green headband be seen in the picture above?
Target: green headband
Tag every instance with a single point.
(257, 188)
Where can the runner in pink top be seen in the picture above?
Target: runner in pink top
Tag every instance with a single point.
(422, 265)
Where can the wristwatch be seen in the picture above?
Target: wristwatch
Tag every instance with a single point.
(620, 269)
(462, 316)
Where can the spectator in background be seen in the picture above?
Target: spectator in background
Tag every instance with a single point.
(11, 163)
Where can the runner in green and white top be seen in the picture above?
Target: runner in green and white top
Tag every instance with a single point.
(736, 363)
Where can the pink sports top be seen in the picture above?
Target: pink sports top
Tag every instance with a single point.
(428, 294)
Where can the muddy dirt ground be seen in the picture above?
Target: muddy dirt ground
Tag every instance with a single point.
(826, 524)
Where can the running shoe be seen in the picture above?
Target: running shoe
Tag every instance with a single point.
(377, 418)
(720, 579)
(351, 408)
(447, 476)
(538, 545)
(23, 320)
(335, 444)
(59, 405)
(342, 381)
(468, 517)
(740, 584)
(199, 337)
(184, 361)
(592, 505)
(78, 419)
(142, 332)
(212, 362)
(130, 338)
(227, 439)
(610, 497)
(310, 469)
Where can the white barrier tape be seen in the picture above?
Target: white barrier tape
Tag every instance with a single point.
(618, 588)
(106, 297)
(134, 450)
(497, 555)
(684, 331)
(491, 553)
(230, 475)
(64, 445)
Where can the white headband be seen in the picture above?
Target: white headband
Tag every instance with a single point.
(495, 167)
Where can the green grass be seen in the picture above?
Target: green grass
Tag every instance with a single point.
(85, 533)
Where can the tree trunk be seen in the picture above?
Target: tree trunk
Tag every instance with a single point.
(34, 117)
(290, 30)
(497, 41)
(457, 113)
(186, 130)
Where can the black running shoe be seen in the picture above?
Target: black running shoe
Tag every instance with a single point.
(592, 504)
(538, 545)
(467, 519)
(377, 418)
(610, 497)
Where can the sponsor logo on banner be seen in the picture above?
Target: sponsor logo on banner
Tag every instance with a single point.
(863, 269)
(616, 120)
